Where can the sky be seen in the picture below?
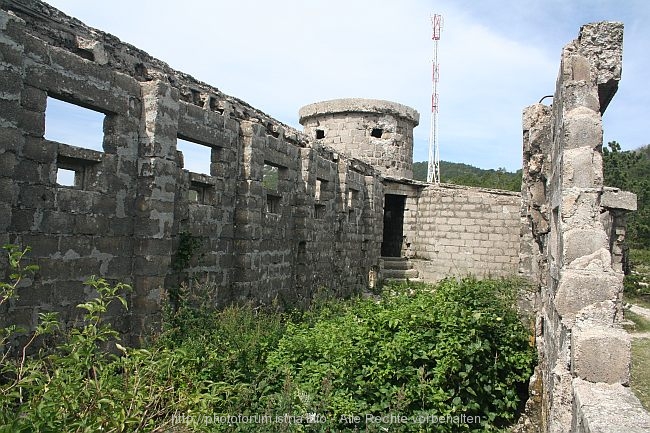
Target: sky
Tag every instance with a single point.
(495, 58)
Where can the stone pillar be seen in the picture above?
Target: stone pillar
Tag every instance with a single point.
(154, 207)
(14, 118)
(564, 203)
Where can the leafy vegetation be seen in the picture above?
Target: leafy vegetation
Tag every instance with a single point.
(464, 174)
(455, 349)
(630, 171)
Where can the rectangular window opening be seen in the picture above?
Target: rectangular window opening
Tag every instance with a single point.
(317, 189)
(196, 156)
(73, 124)
(319, 211)
(273, 203)
(353, 196)
(66, 177)
(377, 132)
(271, 177)
(320, 134)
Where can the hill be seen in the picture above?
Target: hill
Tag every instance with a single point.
(464, 174)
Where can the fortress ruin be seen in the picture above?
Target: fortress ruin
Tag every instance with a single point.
(339, 211)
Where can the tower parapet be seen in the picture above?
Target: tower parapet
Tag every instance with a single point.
(377, 132)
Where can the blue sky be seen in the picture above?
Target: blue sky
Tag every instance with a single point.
(496, 57)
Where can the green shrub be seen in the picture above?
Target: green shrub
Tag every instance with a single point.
(455, 349)
(458, 349)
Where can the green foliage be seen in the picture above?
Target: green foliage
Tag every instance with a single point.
(637, 283)
(630, 171)
(464, 174)
(187, 246)
(453, 349)
(458, 349)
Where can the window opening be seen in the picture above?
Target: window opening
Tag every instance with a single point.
(66, 177)
(320, 134)
(377, 132)
(73, 124)
(353, 196)
(318, 189)
(272, 203)
(196, 156)
(270, 177)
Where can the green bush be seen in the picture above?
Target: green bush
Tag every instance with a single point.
(455, 349)
(458, 349)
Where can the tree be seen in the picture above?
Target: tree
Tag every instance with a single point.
(630, 171)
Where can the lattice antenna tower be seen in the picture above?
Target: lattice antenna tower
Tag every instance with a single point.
(433, 171)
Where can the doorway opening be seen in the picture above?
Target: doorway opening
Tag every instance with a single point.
(391, 245)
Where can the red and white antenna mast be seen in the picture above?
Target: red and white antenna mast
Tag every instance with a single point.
(433, 171)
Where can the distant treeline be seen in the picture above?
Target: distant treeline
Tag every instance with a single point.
(464, 174)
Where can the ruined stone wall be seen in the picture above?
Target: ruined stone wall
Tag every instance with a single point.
(570, 245)
(133, 205)
(456, 230)
(379, 133)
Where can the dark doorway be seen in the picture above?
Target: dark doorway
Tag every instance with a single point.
(391, 245)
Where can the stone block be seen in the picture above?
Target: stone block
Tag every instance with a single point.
(578, 289)
(613, 198)
(580, 242)
(36, 196)
(600, 352)
(57, 222)
(607, 408)
(582, 167)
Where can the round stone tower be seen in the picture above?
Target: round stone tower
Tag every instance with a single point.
(379, 133)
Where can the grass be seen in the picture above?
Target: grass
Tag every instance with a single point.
(640, 373)
(641, 324)
(637, 292)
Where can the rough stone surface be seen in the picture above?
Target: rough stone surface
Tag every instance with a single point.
(600, 352)
(614, 198)
(379, 133)
(607, 408)
(573, 231)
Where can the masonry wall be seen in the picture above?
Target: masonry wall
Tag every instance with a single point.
(455, 230)
(571, 245)
(135, 214)
(377, 132)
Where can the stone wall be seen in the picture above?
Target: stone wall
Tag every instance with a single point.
(133, 206)
(571, 245)
(456, 230)
(379, 133)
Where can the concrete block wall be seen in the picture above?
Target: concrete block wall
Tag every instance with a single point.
(134, 202)
(572, 232)
(455, 230)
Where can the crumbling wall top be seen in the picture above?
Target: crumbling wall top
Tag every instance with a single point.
(359, 105)
(596, 57)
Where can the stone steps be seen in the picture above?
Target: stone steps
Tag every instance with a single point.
(399, 269)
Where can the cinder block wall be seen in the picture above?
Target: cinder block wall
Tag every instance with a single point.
(455, 230)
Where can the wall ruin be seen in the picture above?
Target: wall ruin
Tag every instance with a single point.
(134, 211)
(573, 228)
(134, 207)
(136, 204)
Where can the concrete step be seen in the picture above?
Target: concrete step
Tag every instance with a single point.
(396, 263)
(400, 273)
